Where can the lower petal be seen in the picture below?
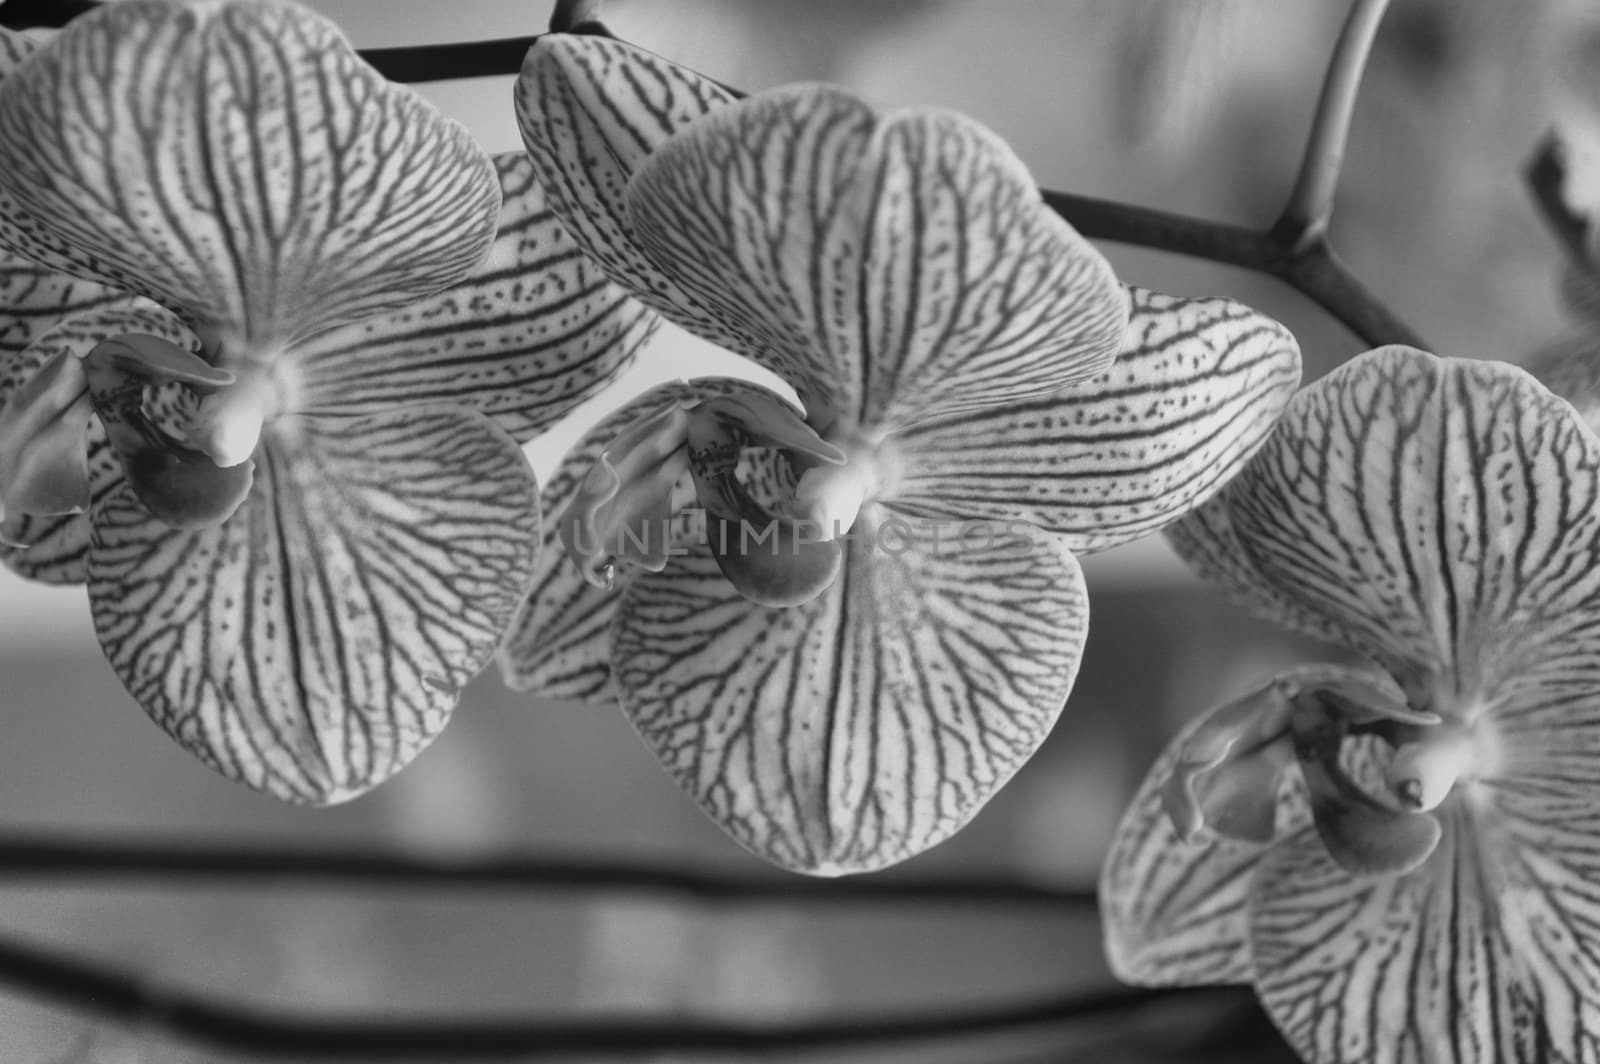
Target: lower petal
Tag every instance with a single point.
(313, 644)
(1410, 969)
(870, 723)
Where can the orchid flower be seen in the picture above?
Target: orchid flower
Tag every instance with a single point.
(1399, 854)
(288, 393)
(866, 613)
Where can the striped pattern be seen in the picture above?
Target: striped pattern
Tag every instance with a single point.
(1444, 516)
(237, 160)
(54, 549)
(591, 109)
(1412, 969)
(313, 644)
(870, 723)
(535, 331)
(14, 48)
(34, 299)
(1175, 912)
(559, 645)
(892, 266)
(1196, 391)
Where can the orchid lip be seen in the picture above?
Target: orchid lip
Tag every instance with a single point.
(180, 428)
(1227, 777)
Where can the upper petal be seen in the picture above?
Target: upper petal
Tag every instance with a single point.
(591, 110)
(1443, 516)
(314, 643)
(870, 723)
(1397, 969)
(239, 162)
(1197, 389)
(535, 330)
(892, 266)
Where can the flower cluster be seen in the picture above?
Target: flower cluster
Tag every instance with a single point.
(277, 330)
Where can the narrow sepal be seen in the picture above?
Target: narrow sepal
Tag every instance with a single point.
(872, 722)
(312, 645)
(1194, 393)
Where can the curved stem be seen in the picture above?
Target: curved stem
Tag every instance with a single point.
(110, 994)
(1314, 270)
(84, 861)
(1305, 218)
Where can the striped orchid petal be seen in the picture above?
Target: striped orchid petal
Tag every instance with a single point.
(533, 332)
(1411, 969)
(314, 643)
(53, 549)
(1195, 392)
(1443, 516)
(591, 109)
(1176, 911)
(559, 645)
(34, 299)
(237, 160)
(870, 723)
(892, 266)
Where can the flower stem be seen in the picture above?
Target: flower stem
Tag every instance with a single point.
(1305, 217)
(29, 858)
(119, 996)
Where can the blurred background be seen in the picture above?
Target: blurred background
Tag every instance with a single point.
(1192, 105)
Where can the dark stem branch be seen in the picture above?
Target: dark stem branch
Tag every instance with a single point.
(79, 862)
(119, 996)
(1305, 217)
(1313, 270)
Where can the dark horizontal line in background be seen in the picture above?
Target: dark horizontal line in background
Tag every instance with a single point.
(83, 861)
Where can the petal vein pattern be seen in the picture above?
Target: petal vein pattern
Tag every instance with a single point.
(238, 161)
(313, 644)
(868, 724)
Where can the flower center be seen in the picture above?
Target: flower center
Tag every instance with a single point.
(777, 496)
(182, 428)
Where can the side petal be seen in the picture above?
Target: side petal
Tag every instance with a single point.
(239, 161)
(868, 724)
(535, 331)
(892, 266)
(1197, 389)
(559, 645)
(1443, 515)
(311, 646)
(591, 110)
(1393, 969)
(1176, 911)
(54, 549)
